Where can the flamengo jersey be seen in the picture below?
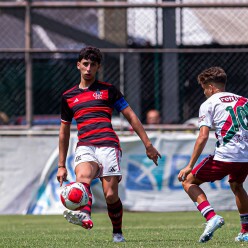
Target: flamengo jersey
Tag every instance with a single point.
(92, 109)
(228, 114)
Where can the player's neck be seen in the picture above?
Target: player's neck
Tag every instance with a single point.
(218, 90)
(86, 84)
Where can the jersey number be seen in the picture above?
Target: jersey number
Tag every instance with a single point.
(241, 118)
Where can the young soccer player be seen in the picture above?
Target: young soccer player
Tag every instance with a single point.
(98, 152)
(228, 114)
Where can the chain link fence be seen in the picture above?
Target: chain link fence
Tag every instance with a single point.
(153, 51)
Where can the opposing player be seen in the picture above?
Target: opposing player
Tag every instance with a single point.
(98, 152)
(228, 114)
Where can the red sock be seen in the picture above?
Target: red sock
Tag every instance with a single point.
(206, 210)
(87, 208)
(115, 212)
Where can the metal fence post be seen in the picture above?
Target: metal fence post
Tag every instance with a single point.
(28, 65)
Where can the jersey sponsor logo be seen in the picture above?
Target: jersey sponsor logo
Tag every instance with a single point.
(229, 98)
(98, 94)
(239, 138)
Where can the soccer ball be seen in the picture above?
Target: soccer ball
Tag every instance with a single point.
(74, 195)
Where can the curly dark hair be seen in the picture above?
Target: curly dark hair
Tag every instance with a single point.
(91, 53)
(212, 75)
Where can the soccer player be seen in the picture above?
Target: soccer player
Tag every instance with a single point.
(228, 114)
(98, 152)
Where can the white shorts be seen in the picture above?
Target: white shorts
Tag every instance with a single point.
(108, 159)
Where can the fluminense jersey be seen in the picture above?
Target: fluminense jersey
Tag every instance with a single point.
(92, 109)
(228, 114)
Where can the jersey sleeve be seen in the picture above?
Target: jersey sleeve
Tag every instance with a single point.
(66, 112)
(118, 99)
(205, 115)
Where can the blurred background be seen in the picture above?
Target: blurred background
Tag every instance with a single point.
(153, 51)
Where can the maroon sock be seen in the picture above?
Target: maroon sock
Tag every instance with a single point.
(244, 223)
(206, 210)
(115, 212)
(87, 208)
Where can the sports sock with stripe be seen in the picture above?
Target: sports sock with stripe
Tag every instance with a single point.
(206, 210)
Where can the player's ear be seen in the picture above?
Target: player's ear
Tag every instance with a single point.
(78, 65)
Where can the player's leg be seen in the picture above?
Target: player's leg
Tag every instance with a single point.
(85, 173)
(197, 195)
(114, 205)
(109, 159)
(86, 167)
(192, 187)
(206, 171)
(241, 198)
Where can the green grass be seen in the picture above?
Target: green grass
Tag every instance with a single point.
(175, 229)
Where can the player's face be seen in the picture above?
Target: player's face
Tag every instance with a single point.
(207, 90)
(88, 69)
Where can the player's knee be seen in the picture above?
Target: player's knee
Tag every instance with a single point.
(111, 197)
(186, 184)
(80, 177)
(190, 181)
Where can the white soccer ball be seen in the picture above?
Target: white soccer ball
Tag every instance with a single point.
(74, 195)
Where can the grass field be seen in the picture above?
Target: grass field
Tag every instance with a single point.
(175, 229)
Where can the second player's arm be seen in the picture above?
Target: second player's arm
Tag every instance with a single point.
(134, 121)
(198, 148)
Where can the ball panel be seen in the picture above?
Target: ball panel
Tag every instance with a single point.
(74, 195)
(62, 199)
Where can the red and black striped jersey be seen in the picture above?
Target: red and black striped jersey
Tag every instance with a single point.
(92, 110)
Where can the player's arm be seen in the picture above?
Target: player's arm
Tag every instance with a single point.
(64, 138)
(198, 148)
(134, 121)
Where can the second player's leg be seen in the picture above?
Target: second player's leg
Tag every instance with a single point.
(114, 205)
(240, 196)
(110, 189)
(197, 195)
(242, 205)
(191, 187)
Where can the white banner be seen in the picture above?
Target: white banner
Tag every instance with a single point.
(144, 186)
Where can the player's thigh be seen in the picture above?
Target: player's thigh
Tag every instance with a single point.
(209, 170)
(86, 165)
(86, 171)
(239, 173)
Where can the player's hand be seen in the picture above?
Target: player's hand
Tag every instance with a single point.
(153, 154)
(62, 175)
(182, 175)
